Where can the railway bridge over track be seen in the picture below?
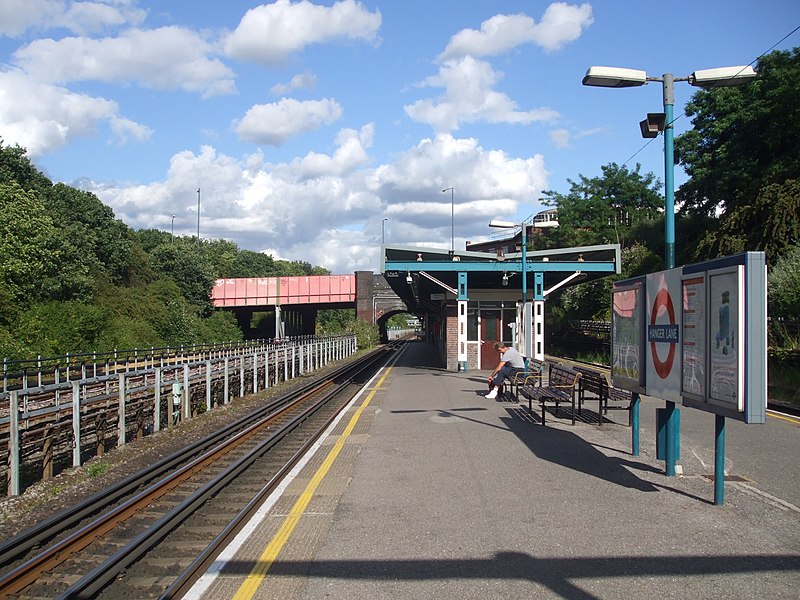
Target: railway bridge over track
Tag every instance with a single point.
(287, 306)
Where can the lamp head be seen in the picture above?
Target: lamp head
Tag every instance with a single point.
(722, 77)
(614, 77)
(501, 224)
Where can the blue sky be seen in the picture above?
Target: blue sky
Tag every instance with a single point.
(305, 124)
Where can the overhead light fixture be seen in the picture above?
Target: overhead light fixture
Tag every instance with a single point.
(722, 77)
(654, 123)
(505, 279)
(408, 278)
(502, 224)
(614, 77)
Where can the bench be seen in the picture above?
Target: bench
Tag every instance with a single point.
(596, 383)
(531, 376)
(561, 387)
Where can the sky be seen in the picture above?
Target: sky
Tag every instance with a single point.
(315, 131)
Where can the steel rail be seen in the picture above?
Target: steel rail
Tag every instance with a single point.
(15, 547)
(99, 577)
(192, 573)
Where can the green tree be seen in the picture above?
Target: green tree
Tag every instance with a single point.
(102, 243)
(31, 249)
(784, 286)
(15, 167)
(603, 210)
(186, 264)
(742, 155)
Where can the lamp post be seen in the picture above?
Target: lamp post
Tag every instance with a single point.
(198, 216)
(173, 229)
(508, 225)
(383, 231)
(452, 219)
(708, 78)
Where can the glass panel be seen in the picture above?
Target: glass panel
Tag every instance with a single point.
(472, 322)
(491, 320)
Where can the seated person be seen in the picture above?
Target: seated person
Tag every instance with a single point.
(511, 363)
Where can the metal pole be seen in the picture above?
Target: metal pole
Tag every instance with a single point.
(198, 216)
(672, 432)
(452, 221)
(635, 424)
(383, 231)
(173, 229)
(525, 321)
(669, 172)
(719, 460)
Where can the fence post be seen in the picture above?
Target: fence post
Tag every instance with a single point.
(187, 405)
(255, 371)
(13, 445)
(76, 423)
(208, 385)
(266, 368)
(121, 417)
(157, 399)
(226, 390)
(241, 376)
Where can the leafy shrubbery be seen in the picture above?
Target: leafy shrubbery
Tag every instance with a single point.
(75, 279)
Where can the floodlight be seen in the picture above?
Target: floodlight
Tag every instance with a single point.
(501, 224)
(722, 77)
(614, 77)
(654, 123)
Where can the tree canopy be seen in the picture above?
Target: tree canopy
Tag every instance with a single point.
(742, 156)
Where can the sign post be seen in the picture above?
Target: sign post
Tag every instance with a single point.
(701, 331)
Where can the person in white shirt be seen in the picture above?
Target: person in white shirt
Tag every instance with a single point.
(511, 363)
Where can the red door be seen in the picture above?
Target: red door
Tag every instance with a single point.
(490, 333)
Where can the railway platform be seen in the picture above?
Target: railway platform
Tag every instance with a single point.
(426, 489)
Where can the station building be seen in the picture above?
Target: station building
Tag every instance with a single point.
(491, 291)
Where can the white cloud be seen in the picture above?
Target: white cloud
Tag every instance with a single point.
(269, 33)
(125, 130)
(44, 118)
(18, 16)
(329, 208)
(303, 81)
(469, 97)
(165, 58)
(562, 23)
(560, 138)
(276, 122)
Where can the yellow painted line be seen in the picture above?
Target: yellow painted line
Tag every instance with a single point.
(248, 589)
(784, 417)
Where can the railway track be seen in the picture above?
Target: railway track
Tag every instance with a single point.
(149, 535)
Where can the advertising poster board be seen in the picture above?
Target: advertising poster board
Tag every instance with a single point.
(627, 335)
(726, 334)
(693, 336)
(702, 336)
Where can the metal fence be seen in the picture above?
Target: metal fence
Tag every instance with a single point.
(63, 410)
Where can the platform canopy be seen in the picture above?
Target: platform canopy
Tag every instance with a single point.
(421, 275)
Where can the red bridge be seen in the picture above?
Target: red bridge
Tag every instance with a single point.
(286, 306)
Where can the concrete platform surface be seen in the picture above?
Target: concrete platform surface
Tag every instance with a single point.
(437, 492)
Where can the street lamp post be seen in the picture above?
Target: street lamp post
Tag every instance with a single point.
(452, 219)
(198, 216)
(383, 231)
(173, 229)
(708, 78)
